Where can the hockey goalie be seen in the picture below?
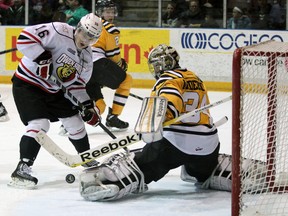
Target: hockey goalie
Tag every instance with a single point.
(192, 142)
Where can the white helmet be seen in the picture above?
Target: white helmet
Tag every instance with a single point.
(162, 58)
(88, 30)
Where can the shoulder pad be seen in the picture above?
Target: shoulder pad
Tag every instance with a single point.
(110, 27)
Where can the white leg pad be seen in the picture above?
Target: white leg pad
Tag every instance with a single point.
(119, 168)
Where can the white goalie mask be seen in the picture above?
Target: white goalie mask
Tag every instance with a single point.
(162, 58)
(88, 30)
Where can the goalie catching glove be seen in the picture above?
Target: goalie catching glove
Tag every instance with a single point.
(91, 114)
(45, 66)
(151, 117)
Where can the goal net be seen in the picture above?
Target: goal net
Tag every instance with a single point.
(260, 130)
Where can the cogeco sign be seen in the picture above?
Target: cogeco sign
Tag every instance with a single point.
(223, 41)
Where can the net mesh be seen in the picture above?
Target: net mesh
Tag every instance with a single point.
(263, 129)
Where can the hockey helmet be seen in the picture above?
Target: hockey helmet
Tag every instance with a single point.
(88, 30)
(162, 58)
(102, 5)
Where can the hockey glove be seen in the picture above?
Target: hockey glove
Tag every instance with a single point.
(124, 64)
(45, 66)
(91, 114)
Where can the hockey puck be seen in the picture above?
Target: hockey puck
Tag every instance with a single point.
(70, 178)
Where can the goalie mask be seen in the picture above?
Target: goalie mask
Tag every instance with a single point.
(88, 31)
(106, 9)
(162, 58)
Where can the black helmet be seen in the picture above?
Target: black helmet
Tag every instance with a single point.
(101, 5)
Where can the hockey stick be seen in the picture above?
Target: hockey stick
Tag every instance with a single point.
(78, 159)
(104, 149)
(82, 107)
(219, 123)
(136, 96)
(194, 112)
(7, 51)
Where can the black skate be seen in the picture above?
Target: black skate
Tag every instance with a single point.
(114, 123)
(21, 177)
(3, 113)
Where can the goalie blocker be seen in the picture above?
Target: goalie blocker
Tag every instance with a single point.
(150, 120)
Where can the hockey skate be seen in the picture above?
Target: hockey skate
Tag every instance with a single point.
(114, 123)
(21, 177)
(3, 113)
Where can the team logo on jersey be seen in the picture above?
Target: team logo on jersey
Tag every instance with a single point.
(69, 69)
(66, 72)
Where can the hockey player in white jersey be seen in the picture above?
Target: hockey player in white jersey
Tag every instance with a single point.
(64, 52)
(192, 142)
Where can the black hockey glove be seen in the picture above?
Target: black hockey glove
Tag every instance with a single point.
(45, 65)
(124, 65)
(91, 114)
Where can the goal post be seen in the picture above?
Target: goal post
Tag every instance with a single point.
(260, 130)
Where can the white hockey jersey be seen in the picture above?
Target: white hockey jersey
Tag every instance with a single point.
(71, 67)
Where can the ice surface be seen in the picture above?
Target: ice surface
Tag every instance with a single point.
(169, 196)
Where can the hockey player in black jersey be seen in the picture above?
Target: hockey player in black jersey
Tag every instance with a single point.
(64, 52)
(192, 143)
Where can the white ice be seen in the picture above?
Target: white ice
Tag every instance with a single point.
(169, 196)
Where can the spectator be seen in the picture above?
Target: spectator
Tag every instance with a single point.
(193, 17)
(209, 22)
(5, 4)
(40, 12)
(15, 15)
(239, 20)
(170, 18)
(75, 12)
(278, 15)
(59, 16)
(260, 15)
(181, 6)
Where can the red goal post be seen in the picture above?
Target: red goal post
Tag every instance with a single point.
(260, 130)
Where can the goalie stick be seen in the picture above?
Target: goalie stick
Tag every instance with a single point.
(136, 96)
(76, 160)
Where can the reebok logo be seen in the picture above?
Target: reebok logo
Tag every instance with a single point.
(110, 147)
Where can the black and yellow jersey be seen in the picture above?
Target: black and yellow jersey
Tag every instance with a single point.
(185, 92)
(108, 43)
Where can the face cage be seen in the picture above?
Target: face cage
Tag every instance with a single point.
(155, 68)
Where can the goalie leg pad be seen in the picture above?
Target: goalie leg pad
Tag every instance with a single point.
(221, 178)
(150, 120)
(117, 177)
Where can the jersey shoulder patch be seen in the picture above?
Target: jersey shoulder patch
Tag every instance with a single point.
(63, 29)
